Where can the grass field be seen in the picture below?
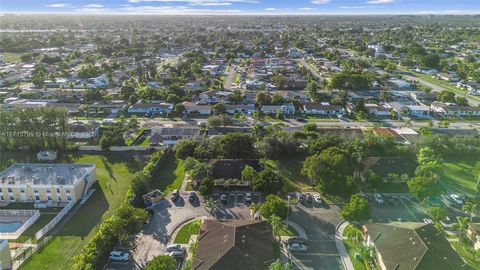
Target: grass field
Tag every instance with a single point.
(468, 255)
(350, 246)
(170, 176)
(458, 177)
(11, 57)
(43, 220)
(290, 170)
(113, 173)
(287, 231)
(184, 234)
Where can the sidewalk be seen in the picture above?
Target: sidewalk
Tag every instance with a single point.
(347, 262)
(301, 232)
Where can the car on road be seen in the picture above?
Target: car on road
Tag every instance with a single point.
(175, 195)
(300, 119)
(296, 239)
(317, 199)
(378, 198)
(224, 198)
(119, 256)
(309, 197)
(248, 197)
(192, 196)
(177, 253)
(174, 247)
(297, 247)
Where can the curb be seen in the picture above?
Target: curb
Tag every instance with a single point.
(175, 230)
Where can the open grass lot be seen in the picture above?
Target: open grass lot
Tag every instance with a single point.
(184, 234)
(43, 220)
(287, 230)
(458, 176)
(290, 170)
(113, 173)
(11, 57)
(170, 176)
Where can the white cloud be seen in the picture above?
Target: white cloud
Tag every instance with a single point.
(320, 2)
(270, 9)
(175, 10)
(357, 7)
(306, 8)
(58, 5)
(94, 6)
(200, 2)
(380, 1)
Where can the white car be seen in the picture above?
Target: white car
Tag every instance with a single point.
(297, 247)
(119, 256)
(317, 199)
(378, 198)
(456, 198)
(174, 247)
(428, 221)
(177, 254)
(248, 197)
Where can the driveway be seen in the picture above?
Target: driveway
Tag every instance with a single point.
(236, 207)
(319, 223)
(155, 236)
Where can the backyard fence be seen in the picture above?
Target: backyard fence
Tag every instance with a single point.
(27, 251)
(54, 221)
(32, 215)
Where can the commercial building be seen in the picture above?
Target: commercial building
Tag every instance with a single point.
(46, 183)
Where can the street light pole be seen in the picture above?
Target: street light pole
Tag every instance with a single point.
(288, 207)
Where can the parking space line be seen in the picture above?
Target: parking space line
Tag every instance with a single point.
(408, 209)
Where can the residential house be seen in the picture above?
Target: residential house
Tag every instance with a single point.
(449, 77)
(297, 95)
(151, 107)
(170, 135)
(424, 70)
(71, 108)
(469, 85)
(286, 108)
(454, 110)
(214, 96)
(324, 108)
(473, 232)
(22, 104)
(378, 109)
(197, 108)
(411, 246)
(240, 108)
(234, 244)
(419, 111)
(107, 106)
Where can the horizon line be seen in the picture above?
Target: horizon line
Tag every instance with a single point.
(418, 13)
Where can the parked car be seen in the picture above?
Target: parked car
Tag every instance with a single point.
(297, 247)
(174, 247)
(192, 196)
(309, 197)
(177, 253)
(427, 221)
(248, 197)
(119, 256)
(300, 119)
(299, 197)
(456, 199)
(224, 198)
(378, 198)
(317, 199)
(296, 239)
(175, 195)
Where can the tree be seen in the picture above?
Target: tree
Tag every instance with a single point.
(420, 186)
(249, 174)
(273, 205)
(437, 213)
(357, 209)
(237, 145)
(276, 223)
(179, 108)
(470, 208)
(219, 108)
(127, 221)
(185, 148)
(212, 205)
(206, 187)
(462, 223)
(162, 262)
(278, 265)
(310, 127)
(267, 182)
(138, 183)
(126, 91)
(92, 95)
(446, 96)
(429, 163)
(353, 233)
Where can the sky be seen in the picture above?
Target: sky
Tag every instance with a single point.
(242, 7)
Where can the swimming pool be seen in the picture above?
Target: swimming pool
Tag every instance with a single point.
(7, 227)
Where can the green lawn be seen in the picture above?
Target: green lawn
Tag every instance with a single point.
(43, 220)
(458, 177)
(357, 264)
(170, 176)
(468, 254)
(287, 231)
(113, 173)
(290, 170)
(11, 57)
(184, 234)
(445, 85)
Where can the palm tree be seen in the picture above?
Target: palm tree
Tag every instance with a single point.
(462, 224)
(365, 252)
(276, 223)
(471, 209)
(212, 206)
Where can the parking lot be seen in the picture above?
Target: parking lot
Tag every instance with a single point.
(236, 207)
(396, 208)
(319, 222)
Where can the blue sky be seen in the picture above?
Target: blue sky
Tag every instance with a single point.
(243, 7)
